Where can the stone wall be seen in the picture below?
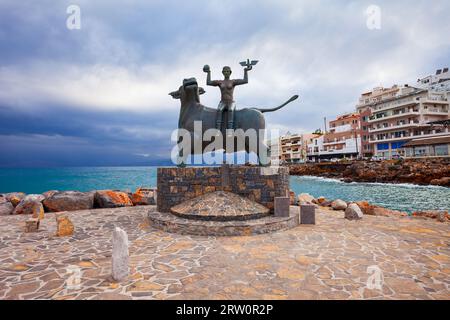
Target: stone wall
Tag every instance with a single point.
(259, 184)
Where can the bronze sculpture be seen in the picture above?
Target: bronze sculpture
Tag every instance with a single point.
(226, 86)
(244, 120)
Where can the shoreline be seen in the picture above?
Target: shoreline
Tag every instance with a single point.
(426, 172)
(19, 203)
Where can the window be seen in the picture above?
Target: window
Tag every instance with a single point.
(441, 149)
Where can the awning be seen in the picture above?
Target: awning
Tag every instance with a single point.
(427, 141)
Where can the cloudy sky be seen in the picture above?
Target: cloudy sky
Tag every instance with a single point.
(98, 95)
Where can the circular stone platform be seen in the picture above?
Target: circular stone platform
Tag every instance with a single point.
(220, 206)
(171, 223)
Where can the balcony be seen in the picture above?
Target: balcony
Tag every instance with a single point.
(438, 112)
(396, 104)
(395, 127)
(373, 119)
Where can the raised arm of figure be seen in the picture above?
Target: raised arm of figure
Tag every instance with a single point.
(209, 82)
(238, 82)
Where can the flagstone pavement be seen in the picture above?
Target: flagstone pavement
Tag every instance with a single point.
(334, 259)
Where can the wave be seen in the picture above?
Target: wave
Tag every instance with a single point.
(403, 185)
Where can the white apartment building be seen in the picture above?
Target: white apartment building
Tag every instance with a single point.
(440, 81)
(397, 120)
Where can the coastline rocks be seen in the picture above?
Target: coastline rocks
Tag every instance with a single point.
(305, 198)
(143, 197)
(339, 204)
(366, 207)
(320, 200)
(439, 215)
(353, 212)
(48, 194)
(69, 201)
(6, 208)
(434, 171)
(444, 182)
(111, 199)
(14, 197)
(31, 204)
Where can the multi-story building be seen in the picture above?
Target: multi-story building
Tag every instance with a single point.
(366, 100)
(274, 151)
(315, 147)
(436, 82)
(405, 116)
(342, 140)
(293, 147)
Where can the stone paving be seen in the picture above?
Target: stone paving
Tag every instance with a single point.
(328, 260)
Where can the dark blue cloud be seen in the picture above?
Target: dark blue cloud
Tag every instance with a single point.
(319, 49)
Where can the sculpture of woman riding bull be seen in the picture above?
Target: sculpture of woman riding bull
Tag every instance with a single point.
(192, 113)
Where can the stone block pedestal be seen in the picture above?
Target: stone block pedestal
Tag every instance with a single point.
(260, 184)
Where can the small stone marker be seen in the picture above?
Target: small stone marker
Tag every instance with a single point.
(120, 257)
(281, 206)
(64, 225)
(32, 225)
(307, 214)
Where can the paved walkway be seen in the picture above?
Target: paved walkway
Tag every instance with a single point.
(327, 261)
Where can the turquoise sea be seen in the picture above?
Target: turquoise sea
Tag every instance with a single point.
(403, 197)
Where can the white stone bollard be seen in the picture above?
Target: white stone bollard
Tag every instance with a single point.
(120, 256)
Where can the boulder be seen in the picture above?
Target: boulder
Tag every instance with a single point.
(111, 199)
(444, 182)
(6, 208)
(143, 196)
(353, 212)
(440, 215)
(2, 199)
(339, 204)
(381, 211)
(320, 200)
(14, 197)
(34, 197)
(48, 194)
(326, 203)
(31, 204)
(366, 207)
(305, 198)
(69, 201)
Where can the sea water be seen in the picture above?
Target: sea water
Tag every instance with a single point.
(404, 197)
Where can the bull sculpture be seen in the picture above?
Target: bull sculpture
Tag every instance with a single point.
(192, 110)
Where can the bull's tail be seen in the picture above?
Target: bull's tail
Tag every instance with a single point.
(276, 108)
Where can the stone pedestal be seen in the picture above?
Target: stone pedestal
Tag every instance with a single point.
(260, 184)
(282, 206)
(307, 214)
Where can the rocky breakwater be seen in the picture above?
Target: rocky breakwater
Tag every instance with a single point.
(356, 209)
(434, 171)
(57, 201)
